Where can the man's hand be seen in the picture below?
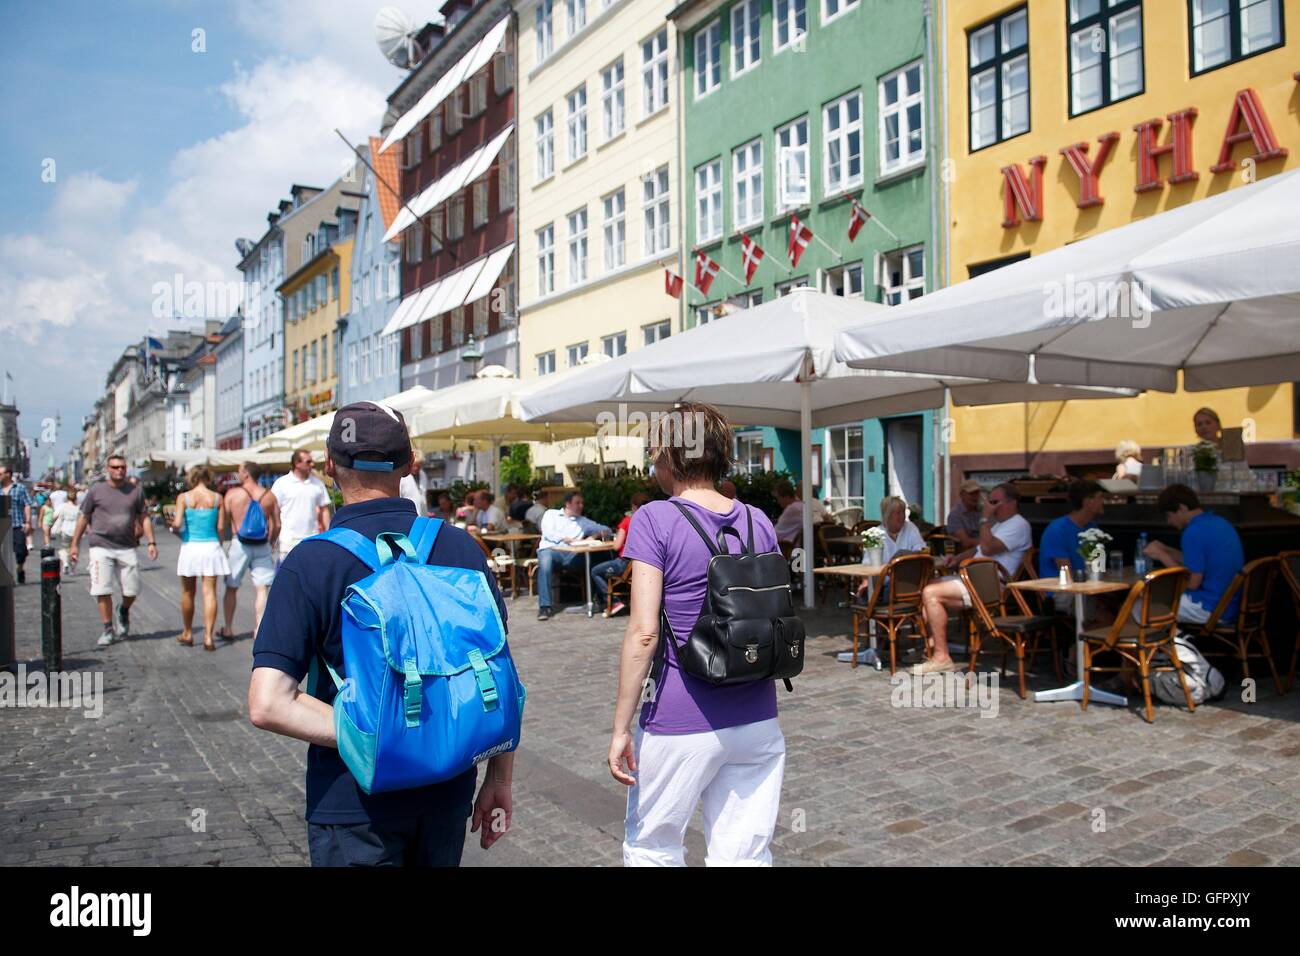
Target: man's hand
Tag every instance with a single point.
(153, 551)
(492, 810)
(72, 554)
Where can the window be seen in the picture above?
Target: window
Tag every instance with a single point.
(365, 360)
(746, 31)
(614, 345)
(313, 373)
(577, 123)
(705, 313)
(902, 275)
(654, 73)
(503, 67)
(746, 300)
(437, 220)
(394, 353)
(455, 117)
(394, 279)
(708, 59)
(747, 184)
(785, 288)
(480, 197)
(478, 93)
(417, 341)
(658, 230)
(844, 280)
(578, 247)
(708, 201)
(545, 38)
(792, 164)
(615, 207)
(999, 79)
(577, 16)
(546, 363)
(415, 146)
(842, 150)
(545, 147)
(656, 331)
(506, 178)
(456, 216)
(790, 22)
(352, 364)
(1105, 52)
(749, 453)
(847, 467)
(334, 285)
(611, 99)
(902, 122)
(295, 369)
(577, 353)
(1224, 31)
(414, 250)
(457, 325)
(546, 260)
(833, 8)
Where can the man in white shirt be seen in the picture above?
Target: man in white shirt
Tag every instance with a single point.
(490, 518)
(410, 487)
(304, 502)
(1004, 536)
(561, 526)
(790, 524)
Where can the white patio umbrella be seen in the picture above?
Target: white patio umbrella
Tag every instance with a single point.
(1211, 288)
(313, 432)
(773, 364)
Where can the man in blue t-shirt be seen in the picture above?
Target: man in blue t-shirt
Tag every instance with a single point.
(1209, 549)
(368, 453)
(1059, 546)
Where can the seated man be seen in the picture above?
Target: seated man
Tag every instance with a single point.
(790, 524)
(561, 526)
(1004, 536)
(488, 516)
(601, 573)
(1059, 546)
(521, 504)
(1209, 548)
(964, 519)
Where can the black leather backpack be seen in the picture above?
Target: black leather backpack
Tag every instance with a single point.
(747, 629)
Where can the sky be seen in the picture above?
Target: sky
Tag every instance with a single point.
(140, 139)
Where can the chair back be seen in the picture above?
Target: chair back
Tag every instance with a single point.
(1289, 566)
(906, 577)
(941, 544)
(862, 526)
(983, 583)
(1028, 570)
(1155, 599)
(848, 517)
(1257, 590)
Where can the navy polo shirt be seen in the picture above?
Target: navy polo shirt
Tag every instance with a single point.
(304, 617)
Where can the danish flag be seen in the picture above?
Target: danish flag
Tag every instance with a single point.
(672, 284)
(857, 220)
(751, 254)
(706, 270)
(800, 236)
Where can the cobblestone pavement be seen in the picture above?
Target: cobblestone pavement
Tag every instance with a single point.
(866, 782)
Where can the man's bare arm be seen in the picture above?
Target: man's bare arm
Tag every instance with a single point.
(275, 703)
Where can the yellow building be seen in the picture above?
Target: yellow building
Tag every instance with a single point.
(313, 298)
(1066, 118)
(599, 191)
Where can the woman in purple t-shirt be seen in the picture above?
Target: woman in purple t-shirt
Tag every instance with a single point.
(695, 741)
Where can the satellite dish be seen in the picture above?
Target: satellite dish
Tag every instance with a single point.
(395, 34)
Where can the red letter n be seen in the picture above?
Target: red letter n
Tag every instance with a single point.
(1023, 195)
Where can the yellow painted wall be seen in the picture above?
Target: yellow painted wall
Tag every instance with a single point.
(319, 323)
(975, 207)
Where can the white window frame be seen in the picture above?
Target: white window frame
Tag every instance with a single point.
(787, 14)
(614, 345)
(614, 229)
(708, 201)
(507, 179)
(545, 146)
(365, 360)
(656, 331)
(576, 123)
(478, 93)
(480, 202)
(785, 288)
(414, 147)
(437, 229)
(503, 66)
(546, 363)
(748, 463)
(456, 217)
(352, 364)
(394, 279)
(842, 136)
(575, 20)
(656, 207)
(394, 353)
(747, 209)
(546, 259)
(746, 36)
(455, 117)
(843, 464)
(613, 101)
(789, 153)
(576, 353)
(840, 276)
(708, 58)
(545, 30)
(577, 221)
(655, 77)
(832, 10)
(900, 108)
(909, 282)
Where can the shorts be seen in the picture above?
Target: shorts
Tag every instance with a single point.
(202, 559)
(287, 544)
(105, 563)
(258, 557)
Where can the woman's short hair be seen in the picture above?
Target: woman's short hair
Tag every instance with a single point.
(1128, 448)
(889, 503)
(1206, 410)
(199, 475)
(693, 441)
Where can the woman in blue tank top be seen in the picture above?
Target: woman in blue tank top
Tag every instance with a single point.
(200, 521)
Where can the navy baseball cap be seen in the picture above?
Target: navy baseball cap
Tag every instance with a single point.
(370, 429)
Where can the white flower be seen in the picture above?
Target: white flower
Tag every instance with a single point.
(873, 537)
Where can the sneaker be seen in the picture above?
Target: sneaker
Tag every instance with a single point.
(122, 622)
(618, 608)
(544, 613)
(106, 638)
(934, 667)
(22, 574)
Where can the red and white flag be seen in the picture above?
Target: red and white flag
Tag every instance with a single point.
(751, 254)
(706, 270)
(857, 220)
(800, 236)
(672, 284)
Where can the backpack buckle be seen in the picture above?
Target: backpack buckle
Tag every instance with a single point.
(487, 688)
(411, 697)
(751, 653)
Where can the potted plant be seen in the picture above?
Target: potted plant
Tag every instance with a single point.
(1289, 492)
(873, 546)
(1205, 458)
(1092, 548)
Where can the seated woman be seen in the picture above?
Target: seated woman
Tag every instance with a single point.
(901, 536)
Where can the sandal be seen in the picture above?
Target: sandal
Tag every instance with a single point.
(208, 646)
(226, 635)
(187, 642)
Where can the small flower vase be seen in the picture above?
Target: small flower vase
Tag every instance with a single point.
(875, 557)
(1205, 480)
(1097, 565)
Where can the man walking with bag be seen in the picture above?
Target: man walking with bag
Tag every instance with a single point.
(252, 542)
(367, 454)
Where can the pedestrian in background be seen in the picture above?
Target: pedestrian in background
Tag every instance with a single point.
(304, 502)
(252, 542)
(20, 516)
(601, 573)
(200, 521)
(63, 526)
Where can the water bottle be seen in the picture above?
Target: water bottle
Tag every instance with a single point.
(1140, 558)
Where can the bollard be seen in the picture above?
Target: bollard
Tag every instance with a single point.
(51, 612)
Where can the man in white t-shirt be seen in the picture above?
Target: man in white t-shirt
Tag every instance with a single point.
(489, 517)
(304, 502)
(1004, 536)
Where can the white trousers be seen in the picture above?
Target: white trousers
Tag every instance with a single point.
(736, 772)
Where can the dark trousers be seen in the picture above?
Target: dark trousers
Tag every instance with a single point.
(601, 574)
(548, 559)
(20, 547)
(427, 840)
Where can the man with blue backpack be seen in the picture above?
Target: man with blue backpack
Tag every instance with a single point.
(254, 514)
(402, 629)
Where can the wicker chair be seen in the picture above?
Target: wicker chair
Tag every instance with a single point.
(1138, 641)
(1289, 567)
(895, 602)
(619, 584)
(1018, 632)
(502, 567)
(1254, 584)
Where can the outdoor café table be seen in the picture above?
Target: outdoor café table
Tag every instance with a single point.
(512, 538)
(871, 572)
(586, 547)
(1109, 584)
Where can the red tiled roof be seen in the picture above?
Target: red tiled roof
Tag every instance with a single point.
(386, 166)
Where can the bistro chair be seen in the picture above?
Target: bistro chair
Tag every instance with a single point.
(836, 544)
(1289, 568)
(502, 567)
(1254, 584)
(1018, 632)
(941, 544)
(618, 585)
(1028, 570)
(1139, 637)
(849, 516)
(895, 602)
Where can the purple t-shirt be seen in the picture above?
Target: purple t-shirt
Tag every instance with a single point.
(662, 537)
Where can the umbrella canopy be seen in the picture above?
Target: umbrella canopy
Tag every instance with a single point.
(487, 408)
(313, 432)
(220, 460)
(1211, 288)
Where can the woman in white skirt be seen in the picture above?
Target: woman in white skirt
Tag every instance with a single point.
(200, 521)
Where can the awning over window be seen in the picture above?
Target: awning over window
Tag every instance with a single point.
(456, 179)
(458, 288)
(467, 66)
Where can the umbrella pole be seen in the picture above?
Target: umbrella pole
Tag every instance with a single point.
(805, 452)
(944, 433)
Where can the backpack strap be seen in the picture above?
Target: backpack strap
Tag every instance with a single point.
(713, 549)
(423, 533)
(355, 543)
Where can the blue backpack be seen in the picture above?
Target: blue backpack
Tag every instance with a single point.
(431, 688)
(252, 530)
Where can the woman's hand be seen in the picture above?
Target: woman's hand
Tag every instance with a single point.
(621, 755)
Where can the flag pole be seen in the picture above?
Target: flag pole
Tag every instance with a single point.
(828, 246)
(872, 217)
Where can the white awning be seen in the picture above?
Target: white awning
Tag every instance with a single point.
(467, 66)
(465, 285)
(455, 179)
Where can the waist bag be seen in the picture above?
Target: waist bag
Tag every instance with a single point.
(431, 688)
(747, 629)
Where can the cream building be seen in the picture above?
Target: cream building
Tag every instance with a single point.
(599, 192)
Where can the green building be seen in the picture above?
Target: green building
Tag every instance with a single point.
(797, 108)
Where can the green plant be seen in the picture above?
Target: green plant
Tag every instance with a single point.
(1291, 479)
(459, 489)
(607, 500)
(756, 488)
(1205, 456)
(517, 468)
